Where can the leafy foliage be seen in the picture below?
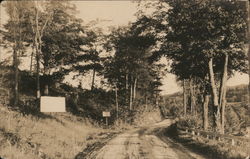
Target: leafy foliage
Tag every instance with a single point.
(199, 30)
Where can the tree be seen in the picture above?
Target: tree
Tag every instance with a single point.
(208, 38)
(131, 69)
(90, 59)
(15, 34)
(58, 38)
(35, 15)
(62, 44)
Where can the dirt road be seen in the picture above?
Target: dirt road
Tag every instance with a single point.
(144, 143)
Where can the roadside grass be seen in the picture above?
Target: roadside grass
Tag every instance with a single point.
(209, 148)
(56, 136)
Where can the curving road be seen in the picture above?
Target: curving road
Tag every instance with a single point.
(144, 143)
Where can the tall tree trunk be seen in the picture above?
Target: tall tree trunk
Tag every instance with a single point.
(126, 89)
(223, 80)
(131, 98)
(93, 80)
(205, 111)
(38, 94)
(126, 84)
(116, 102)
(248, 36)
(216, 110)
(15, 63)
(192, 105)
(223, 93)
(38, 42)
(223, 106)
(31, 57)
(46, 90)
(46, 87)
(184, 98)
(134, 91)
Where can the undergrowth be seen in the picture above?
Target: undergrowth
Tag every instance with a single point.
(208, 148)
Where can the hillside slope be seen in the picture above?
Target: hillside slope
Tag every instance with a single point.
(52, 136)
(27, 133)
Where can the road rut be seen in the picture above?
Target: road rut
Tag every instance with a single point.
(144, 143)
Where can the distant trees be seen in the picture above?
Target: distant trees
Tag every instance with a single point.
(130, 70)
(89, 59)
(237, 94)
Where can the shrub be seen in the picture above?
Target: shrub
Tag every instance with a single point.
(189, 121)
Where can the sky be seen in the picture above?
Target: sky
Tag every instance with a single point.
(122, 12)
(117, 13)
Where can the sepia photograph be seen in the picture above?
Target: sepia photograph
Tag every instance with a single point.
(124, 79)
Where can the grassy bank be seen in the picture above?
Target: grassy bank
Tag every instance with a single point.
(48, 136)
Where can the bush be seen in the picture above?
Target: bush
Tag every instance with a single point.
(175, 111)
(189, 121)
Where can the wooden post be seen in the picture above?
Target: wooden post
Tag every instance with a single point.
(198, 133)
(219, 139)
(232, 142)
(207, 136)
(193, 133)
(107, 121)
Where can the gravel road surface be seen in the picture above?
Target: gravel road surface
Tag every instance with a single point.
(144, 143)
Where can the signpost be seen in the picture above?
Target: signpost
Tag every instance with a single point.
(106, 115)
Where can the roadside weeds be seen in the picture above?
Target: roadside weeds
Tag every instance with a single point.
(208, 148)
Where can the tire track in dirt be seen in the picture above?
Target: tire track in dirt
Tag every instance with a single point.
(144, 143)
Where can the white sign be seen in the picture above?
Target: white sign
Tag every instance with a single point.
(52, 104)
(106, 114)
